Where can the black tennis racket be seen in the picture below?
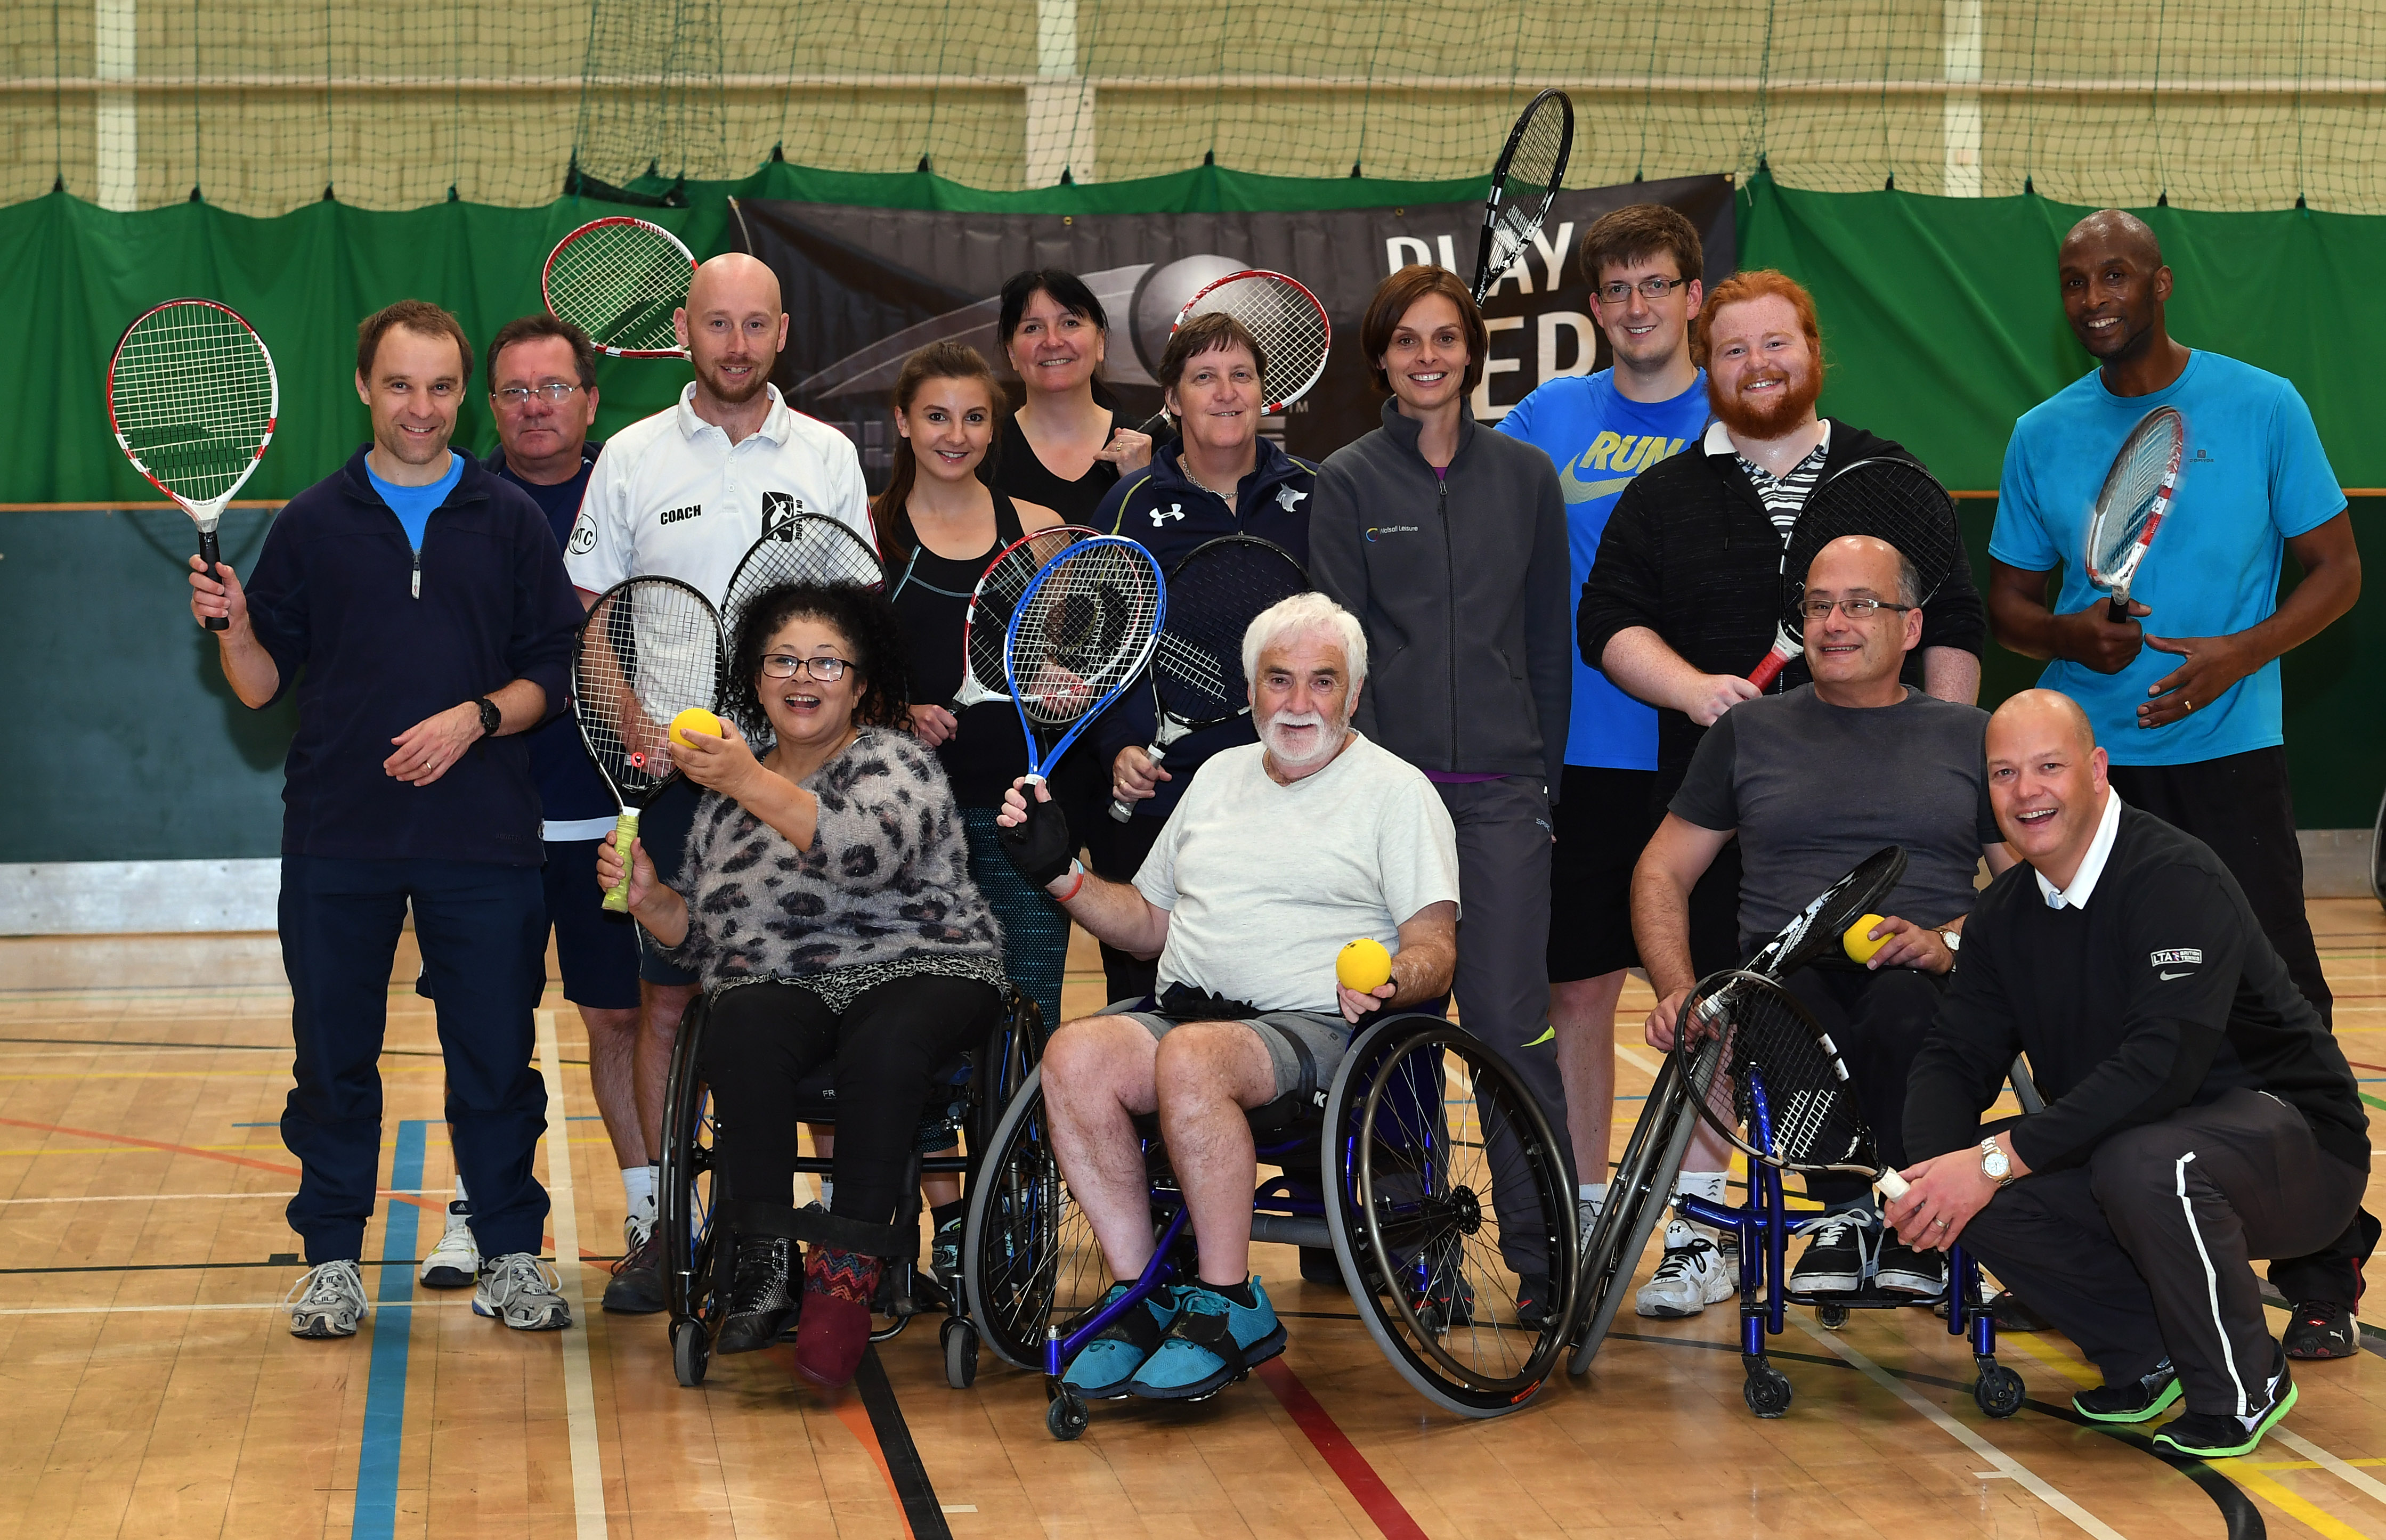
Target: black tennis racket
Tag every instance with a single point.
(1214, 593)
(988, 625)
(1083, 630)
(1891, 499)
(1287, 320)
(192, 398)
(649, 649)
(2131, 505)
(807, 548)
(1523, 183)
(1816, 929)
(1778, 1091)
(619, 279)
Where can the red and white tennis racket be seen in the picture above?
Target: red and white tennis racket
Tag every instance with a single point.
(991, 602)
(1283, 317)
(619, 280)
(2136, 496)
(191, 397)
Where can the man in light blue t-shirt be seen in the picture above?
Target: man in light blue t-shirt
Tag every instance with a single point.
(2187, 705)
(1602, 430)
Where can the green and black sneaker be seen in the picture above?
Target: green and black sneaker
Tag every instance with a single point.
(2137, 1400)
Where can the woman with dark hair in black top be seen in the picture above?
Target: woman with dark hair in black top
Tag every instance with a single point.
(1067, 447)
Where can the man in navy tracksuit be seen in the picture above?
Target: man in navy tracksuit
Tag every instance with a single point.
(1219, 478)
(418, 607)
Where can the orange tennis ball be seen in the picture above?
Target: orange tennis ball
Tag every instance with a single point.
(1857, 939)
(695, 719)
(1364, 965)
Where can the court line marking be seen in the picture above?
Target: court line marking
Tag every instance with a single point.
(1637, 1059)
(383, 1443)
(563, 1216)
(1342, 1456)
(2335, 1465)
(2039, 1486)
(150, 1197)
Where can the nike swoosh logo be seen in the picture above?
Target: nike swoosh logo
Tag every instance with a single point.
(2169, 976)
(1576, 490)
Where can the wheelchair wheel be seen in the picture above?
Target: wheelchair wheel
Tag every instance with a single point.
(1638, 1194)
(1423, 1125)
(697, 1252)
(1028, 1257)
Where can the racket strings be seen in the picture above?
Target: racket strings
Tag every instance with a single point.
(620, 283)
(1533, 172)
(2127, 501)
(996, 596)
(1888, 500)
(1213, 595)
(192, 392)
(1770, 1040)
(649, 651)
(1084, 630)
(1283, 317)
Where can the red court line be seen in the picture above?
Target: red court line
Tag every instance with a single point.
(1340, 1453)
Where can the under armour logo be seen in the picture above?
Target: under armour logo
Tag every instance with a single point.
(1286, 497)
(1175, 510)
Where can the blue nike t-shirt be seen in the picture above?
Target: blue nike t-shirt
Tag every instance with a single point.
(2254, 476)
(413, 505)
(1599, 439)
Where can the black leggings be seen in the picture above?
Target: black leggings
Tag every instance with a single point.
(764, 1038)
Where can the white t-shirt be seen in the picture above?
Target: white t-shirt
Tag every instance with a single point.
(1265, 884)
(671, 496)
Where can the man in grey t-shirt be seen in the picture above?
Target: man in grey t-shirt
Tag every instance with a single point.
(1811, 783)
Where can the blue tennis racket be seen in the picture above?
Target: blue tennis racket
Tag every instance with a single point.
(1083, 632)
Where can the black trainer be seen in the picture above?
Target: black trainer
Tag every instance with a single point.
(2219, 1435)
(762, 1298)
(1834, 1261)
(2321, 1330)
(636, 1287)
(1903, 1270)
(2138, 1400)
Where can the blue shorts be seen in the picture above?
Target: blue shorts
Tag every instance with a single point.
(597, 950)
(663, 828)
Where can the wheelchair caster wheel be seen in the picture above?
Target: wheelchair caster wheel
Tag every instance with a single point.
(691, 1352)
(1999, 1389)
(960, 1353)
(1766, 1392)
(1066, 1417)
(1830, 1318)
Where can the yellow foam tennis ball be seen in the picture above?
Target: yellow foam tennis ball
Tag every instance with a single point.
(695, 719)
(1857, 939)
(1364, 965)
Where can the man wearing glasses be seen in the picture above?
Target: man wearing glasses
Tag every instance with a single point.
(1811, 783)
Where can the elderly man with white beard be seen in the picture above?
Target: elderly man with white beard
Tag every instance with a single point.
(1279, 853)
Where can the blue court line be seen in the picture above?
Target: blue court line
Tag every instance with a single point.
(392, 1323)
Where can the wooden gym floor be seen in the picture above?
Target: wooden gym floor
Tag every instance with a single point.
(149, 1387)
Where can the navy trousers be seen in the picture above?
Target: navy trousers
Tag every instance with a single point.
(482, 932)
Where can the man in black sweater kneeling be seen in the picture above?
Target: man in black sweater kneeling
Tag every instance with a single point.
(2198, 1113)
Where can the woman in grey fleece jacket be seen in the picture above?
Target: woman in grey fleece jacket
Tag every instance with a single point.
(1449, 541)
(829, 909)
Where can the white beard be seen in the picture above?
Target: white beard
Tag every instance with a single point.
(1326, 744)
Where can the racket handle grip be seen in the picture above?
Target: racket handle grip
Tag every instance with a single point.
(625, 833)
(1764, 673)
(1154, 425)
(1893, 1187)
(1121, 808)
(2117, 610)
(212, 552)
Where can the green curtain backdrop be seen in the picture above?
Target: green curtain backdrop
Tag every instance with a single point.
(1939, 317)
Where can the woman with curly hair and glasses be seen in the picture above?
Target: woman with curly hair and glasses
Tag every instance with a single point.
(825, 901)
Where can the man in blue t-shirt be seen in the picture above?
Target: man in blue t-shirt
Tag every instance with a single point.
(2189, 714)
(542, 393)
(1643, 264)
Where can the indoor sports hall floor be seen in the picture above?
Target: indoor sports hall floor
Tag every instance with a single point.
(149, 1387)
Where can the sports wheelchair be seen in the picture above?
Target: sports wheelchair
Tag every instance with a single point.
(700, 1253)
(1391, 1168)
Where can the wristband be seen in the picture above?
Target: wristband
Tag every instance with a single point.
(1078, 870)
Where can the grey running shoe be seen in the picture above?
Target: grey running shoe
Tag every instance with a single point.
(327, 1302)
(523, 1292)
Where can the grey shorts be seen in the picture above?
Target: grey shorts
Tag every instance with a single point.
(1304, 1047)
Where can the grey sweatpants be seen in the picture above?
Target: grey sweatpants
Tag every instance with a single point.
(1502, 987)
(2146, 1252)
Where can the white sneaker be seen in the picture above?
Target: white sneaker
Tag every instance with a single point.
(523, 1292)
(455, 1260)
(327, 1302)
(1691, 1277)
(1585, 1215)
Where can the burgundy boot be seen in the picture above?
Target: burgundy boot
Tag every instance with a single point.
(835, 1330)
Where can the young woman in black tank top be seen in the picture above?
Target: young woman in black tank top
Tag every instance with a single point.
(1055, 332)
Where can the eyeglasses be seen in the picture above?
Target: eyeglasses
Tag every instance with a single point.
(828, 670)
(516, 396)
(1855, 609)
(1650, 288)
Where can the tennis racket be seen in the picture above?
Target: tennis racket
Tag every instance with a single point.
(1084, 629)
(1283, 317)
(1816, 929)
(649, 649)
(2129, 508)
(1892, 499)
(1197, 670)
(986, 627)
(619, 280)
(808, 548)
(192, 396)
(1524, 183)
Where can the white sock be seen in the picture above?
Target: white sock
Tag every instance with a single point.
(828, 1189)
(638, 1186)
(1708, 1185)
(463, 1197)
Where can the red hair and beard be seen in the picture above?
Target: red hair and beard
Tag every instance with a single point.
(1774, 413)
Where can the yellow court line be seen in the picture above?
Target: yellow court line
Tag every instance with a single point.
(2306, 1464)
(2285, 1501)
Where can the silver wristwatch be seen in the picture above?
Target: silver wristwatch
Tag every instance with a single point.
(1993, 1164)
(1954, 939)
